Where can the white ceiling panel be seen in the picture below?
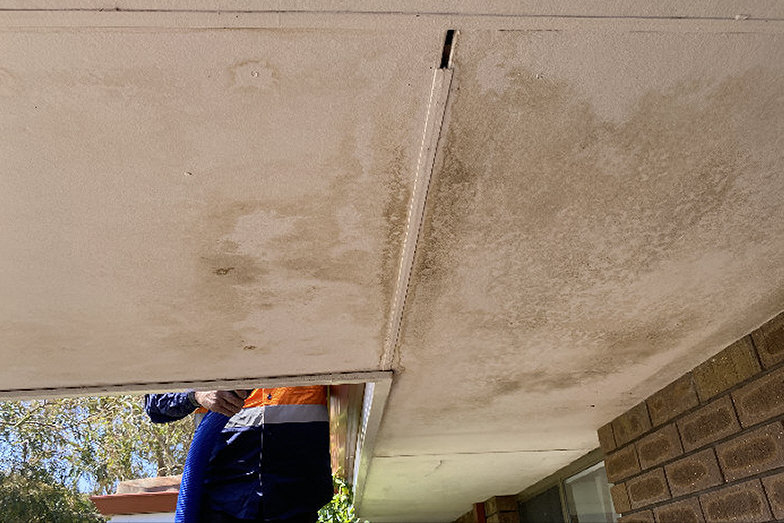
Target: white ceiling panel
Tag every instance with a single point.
(202, 204)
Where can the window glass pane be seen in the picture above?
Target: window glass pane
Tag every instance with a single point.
(588, 497)
(544, 508)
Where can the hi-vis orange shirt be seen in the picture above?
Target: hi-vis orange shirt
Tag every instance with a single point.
(272, 459)
(315, 395)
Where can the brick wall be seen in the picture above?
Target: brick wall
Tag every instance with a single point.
(498, 509)
(709, 446)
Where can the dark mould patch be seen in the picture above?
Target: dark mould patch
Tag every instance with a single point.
(559, 212)
(393, 169)
(395, 213)
(507, 386)
(204, 319)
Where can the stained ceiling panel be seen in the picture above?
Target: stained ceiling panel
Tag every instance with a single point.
(606, 213)
(202, 203)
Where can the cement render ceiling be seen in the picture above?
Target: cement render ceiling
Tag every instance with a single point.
(183, 197)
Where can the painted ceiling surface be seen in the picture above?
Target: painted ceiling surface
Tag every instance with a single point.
(194, 195)
(202, 203)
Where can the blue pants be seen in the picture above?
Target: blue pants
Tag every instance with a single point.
(213, 516)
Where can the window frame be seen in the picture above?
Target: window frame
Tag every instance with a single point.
(558, 479)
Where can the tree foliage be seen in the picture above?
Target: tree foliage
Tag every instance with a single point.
(34, 496)
(341, 508)
(90, 443)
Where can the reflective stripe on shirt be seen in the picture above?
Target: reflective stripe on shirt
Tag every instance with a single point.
(258, 416)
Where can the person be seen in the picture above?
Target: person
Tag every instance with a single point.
(272, 460)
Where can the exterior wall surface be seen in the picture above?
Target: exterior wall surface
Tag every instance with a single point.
(498, 509)
(709, 447)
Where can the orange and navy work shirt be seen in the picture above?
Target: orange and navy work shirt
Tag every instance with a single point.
(272, 461)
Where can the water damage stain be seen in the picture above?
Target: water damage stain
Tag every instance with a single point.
(295, 255)
(544, 218)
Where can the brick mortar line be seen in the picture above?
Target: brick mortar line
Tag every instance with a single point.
(764, 372)
(756, 350)
(710, 490)
(712, 445)
(675, 419)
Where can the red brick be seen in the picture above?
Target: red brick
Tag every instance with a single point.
(752, 453)
(733, 365)
(621, 464)
(676, 398)
(745, 502)
(769, 340)
(620, 498)
(647, 489)
(708, 424)
(774, 488)
(662, 445)
(691, 474)
(606, 439)
(687, 511)
(632, 423)
(760, 400)
(646, 516)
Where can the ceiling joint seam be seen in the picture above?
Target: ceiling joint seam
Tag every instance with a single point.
(403, 13)
(434, 122)
(446, 53)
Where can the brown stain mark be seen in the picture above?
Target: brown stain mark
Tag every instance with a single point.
(395, 212)
(395, 151)
(312, 250)
(203, 320)
(506, 386)
(537, 158)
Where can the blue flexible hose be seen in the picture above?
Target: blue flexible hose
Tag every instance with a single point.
(192, 483)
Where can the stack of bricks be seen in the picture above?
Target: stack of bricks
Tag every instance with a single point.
(498, 509)
(502, 509)
(709, 447)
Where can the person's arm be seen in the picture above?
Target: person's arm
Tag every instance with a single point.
(164, 408)
(226, 402)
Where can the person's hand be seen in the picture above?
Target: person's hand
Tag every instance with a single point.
(226, 402)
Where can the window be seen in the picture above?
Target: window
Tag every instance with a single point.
(588, 496)
(544, 508)
(577, 493)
